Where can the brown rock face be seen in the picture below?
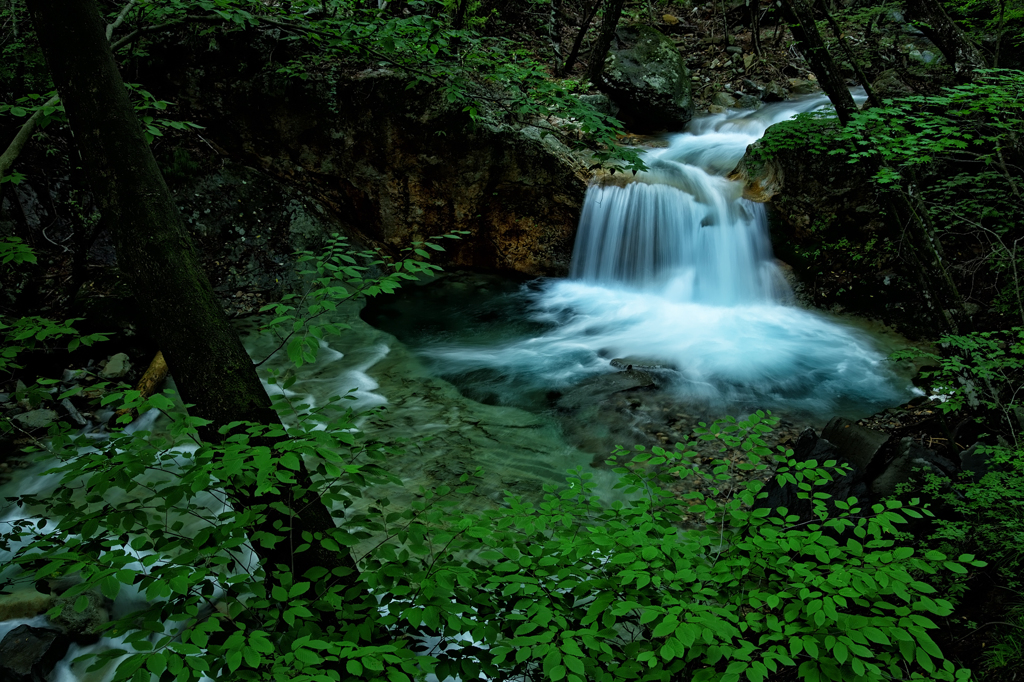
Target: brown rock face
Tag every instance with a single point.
(399, 165)
(761, 180)
(813, 193)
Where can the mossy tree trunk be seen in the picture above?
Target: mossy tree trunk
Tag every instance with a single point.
(156, 256)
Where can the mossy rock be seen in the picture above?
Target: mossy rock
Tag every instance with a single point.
(645, 75)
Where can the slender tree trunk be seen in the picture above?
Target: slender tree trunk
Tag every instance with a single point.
(841, 39)
(555, 33)
(805, 30)
(612, 12)
(574, 53)
(999, 33)
(460, 14)
(754, 9)
(780, 27)
(959, 51)
(156, 256)
(940, 292)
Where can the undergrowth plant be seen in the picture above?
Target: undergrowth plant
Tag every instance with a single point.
(586, 590)
(563, 585)
(334, 275)
(979, 377)
(954, 156)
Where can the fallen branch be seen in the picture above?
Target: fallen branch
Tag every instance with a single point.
(150, 382)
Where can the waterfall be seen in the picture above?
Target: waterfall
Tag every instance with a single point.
(706, 247)
(681, 227)
(674, 268)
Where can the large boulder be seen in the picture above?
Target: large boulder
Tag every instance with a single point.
(829, 221)
(861, 446)
(912, 463)
(247, 225)
(645, 75)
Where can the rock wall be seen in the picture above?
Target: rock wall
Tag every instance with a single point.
(829, 223)
(397, 164)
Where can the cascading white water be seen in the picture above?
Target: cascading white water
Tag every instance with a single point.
(673, 266)
(681, 228)
(705, 247)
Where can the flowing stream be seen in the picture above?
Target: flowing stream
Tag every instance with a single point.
(672, 273)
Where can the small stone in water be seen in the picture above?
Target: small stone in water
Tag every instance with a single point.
(23, 603)
(87, 622)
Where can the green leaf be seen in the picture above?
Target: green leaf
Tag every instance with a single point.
(234, 660)
(252, 657)
(156, 663)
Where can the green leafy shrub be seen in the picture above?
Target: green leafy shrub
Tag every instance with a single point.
(621, 592)
(979, 376)
(338, 274)
(566, 587)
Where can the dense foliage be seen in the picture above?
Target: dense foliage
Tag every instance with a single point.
(563, 586)
(495, 81)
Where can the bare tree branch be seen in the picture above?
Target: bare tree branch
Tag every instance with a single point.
(112, 26)
(21, 139)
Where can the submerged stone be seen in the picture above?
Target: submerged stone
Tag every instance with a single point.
(748, 102)
(640, 363)
(23, 604)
